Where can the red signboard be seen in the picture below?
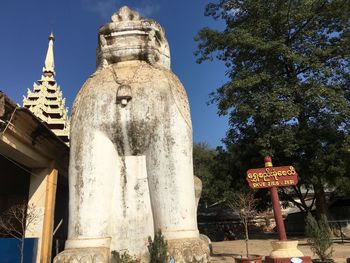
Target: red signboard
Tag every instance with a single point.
(272, 176)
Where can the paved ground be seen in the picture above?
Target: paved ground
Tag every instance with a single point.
(226, 250)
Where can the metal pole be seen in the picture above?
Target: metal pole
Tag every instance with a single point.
(276, 205)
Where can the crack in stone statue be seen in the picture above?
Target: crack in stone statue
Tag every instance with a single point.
(131, 169)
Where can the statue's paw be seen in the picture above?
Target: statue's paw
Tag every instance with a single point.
(188, 250)
(83, 255)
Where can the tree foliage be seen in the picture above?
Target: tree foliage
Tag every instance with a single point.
(288, 64)
(214, 168)
(319, 236)
(158, 248)
(203, 160)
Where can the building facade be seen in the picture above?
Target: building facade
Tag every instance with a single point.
(34, 169)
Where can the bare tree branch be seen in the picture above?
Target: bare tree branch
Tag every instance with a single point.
(245, 204)
(17, 220)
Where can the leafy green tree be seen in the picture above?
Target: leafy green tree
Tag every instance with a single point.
(319, 237)
(288, 64)
(214, 168)
(203, 162)
(218, 169)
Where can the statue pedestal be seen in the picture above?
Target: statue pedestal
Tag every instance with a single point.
(283, 251)
(83, 255)
(189, 250)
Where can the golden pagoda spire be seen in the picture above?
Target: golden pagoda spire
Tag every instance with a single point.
(49, 68)
(46, 101)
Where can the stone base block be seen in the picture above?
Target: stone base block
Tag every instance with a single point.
(305, 259)
(83, 255)
(285, 249)
(207, 242)
(188, 250)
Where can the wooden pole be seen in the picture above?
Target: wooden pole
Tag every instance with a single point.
(276, 205)
(51, 186)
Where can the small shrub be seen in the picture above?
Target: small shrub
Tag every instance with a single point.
(123, 258)
(319, 237)
(158, 248)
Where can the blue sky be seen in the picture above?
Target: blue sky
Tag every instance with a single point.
(25, 26)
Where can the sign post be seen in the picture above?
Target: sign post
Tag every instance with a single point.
(272, 177)
(276, 205)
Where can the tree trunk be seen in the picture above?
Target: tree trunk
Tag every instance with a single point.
(246, 236)
(321, 202)
(22, 249)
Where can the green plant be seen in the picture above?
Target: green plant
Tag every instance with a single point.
(319, 236)
(157, 248)
(123, 258)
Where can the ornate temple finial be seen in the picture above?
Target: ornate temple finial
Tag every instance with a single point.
(125, 14)
(131, 37)
(51, 36)
(49, 68)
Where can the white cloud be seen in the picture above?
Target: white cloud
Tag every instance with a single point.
(105, 8)
(147, 8)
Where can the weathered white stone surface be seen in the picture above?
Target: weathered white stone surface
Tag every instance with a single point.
(132, 219)
(131, 170)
